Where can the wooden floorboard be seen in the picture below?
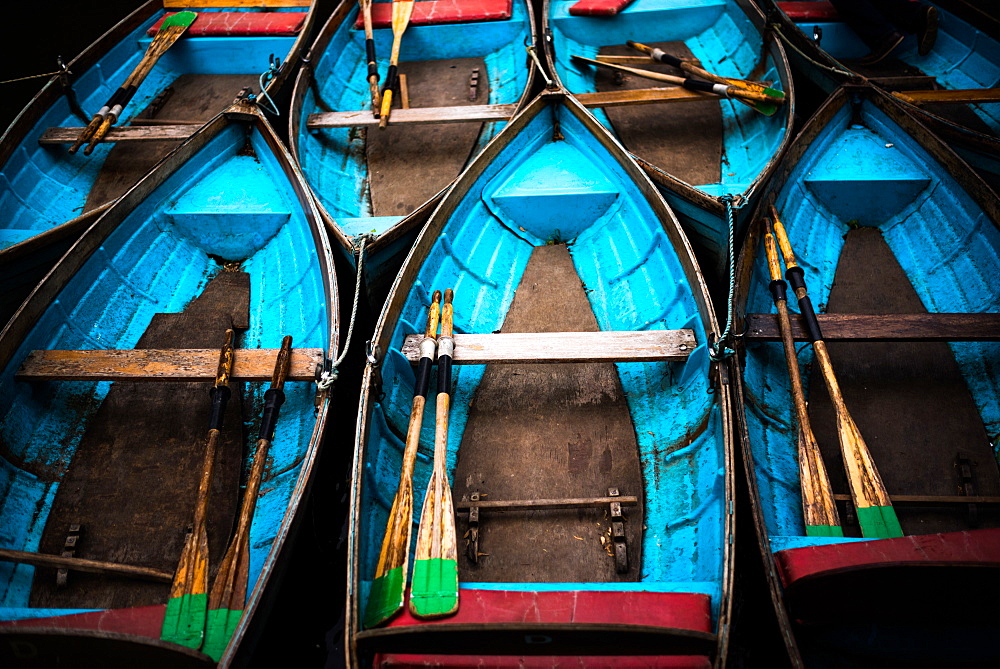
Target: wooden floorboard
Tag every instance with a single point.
(409, 165)
(545, 432)
(682, 140)
(133, 481)
(908, 399)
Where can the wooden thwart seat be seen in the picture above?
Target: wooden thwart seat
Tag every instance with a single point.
(553, 347)
(482, 113)
(129, 133)
(883, 327)
(956, 96)
(163, 365)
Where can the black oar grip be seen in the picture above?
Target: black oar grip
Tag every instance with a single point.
(664, 57)
(796, 277)
(424, 368)
(779, 290)
(446, 346)
(273, 399)
(220, 396)
(390, 79)
(372, 63)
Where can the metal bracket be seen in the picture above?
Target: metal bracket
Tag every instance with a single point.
(472, 547)
(474, 84)
(69, 550)
(967, 485)
(618, 533)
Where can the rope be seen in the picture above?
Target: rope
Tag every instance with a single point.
(530, 48)
(776, 28)
(327, 378)
(719, 350)
(266, 76)
(63, 69)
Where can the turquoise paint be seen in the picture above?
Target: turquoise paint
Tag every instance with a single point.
(150, 264)
(634, 280)
(944, 242)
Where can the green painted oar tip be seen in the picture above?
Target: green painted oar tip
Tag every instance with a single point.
(184, 620)
(219, 630)
(385, 598)
(435, 588)
(824, 531)
(879, 522)
(184, 19)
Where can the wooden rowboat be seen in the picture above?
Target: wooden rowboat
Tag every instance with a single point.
(375, 183)
(954, 89)
(899, 243)
(698, 150)
(105, 403)
(554, 231)
(48, 196)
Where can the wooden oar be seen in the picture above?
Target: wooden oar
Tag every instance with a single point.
(229, 591)
(386, 595)
(184, 620)
(761, 102)
(366, 13)
(401, 10)
(818, 507)
(170, 30)
(875, 512)
(660, 56)
(434, 592)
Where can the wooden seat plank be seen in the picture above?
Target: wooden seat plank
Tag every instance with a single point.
(555, 347)
(883, 327)
(953, 95)
(162, 365)
(128, 133)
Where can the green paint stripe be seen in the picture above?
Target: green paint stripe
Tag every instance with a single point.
(879, 522)
(179, 19)
(824, 531)
(219, 630)
(385, 597)
(184, 620)
(435, 587)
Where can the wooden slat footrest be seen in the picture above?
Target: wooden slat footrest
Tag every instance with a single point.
(883, 327)
(550, 347)
(950, 95)
(179, 364)
(127, 133)
(80, 564)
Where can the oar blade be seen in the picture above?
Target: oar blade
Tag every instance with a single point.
(385, 598)
(181, 19)
(184, 619)
(434, 592)
(876, 515)
(227, 599)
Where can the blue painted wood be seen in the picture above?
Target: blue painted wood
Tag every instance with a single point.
(153, 252)
(940, 221)
(639, 274)
(333, 159)
(725, 35)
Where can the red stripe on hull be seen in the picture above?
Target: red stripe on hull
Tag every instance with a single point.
(541, 661)
(138, 621)
(436, 12)
(818, 10)
(598, 7)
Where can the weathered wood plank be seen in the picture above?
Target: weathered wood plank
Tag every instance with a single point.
(80, 564)
(194, 4)
(548, 504)
(883, 327)
(552, 347)
(955, 95)
(162, 365)
(128, 133)
(640, 96)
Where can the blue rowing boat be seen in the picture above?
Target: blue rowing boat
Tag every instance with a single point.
(952, 88)
(48, 196)
(699, 153)
(107, 369)
(372, 183)
(899, 245)
(591, 521)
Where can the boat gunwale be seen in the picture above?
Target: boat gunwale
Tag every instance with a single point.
(381, 339)
(305, 80)
(11, 336)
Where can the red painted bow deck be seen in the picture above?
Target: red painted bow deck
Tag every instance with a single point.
(514, 628)
(439, 12)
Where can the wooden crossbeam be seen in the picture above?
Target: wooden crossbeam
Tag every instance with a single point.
(80, 564)
(128, 133)
(162, 365)
(883, 327)
(199, 4)
(953, 95)
(483, 113)
(544, 347)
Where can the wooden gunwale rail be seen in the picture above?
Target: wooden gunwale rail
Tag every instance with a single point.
(162, 365)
